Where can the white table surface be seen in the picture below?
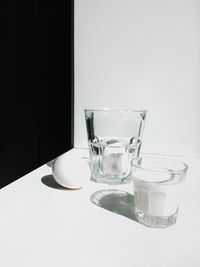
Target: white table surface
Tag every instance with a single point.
(43, 225)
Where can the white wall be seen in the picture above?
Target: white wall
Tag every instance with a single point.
(141, 54)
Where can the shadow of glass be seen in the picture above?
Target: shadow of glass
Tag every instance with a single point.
(49, 181)
(116, 201)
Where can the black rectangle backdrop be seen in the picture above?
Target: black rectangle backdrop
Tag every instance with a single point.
(36, 84)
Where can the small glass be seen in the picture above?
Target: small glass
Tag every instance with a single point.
(114, 139)
(157, 190)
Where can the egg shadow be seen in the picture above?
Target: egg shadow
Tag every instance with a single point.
(117, 201)
(49, 181)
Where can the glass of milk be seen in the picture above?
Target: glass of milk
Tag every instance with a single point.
(114, 140)
(157, 189)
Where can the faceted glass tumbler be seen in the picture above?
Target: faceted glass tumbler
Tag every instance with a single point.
(157, 189)
(114, 139)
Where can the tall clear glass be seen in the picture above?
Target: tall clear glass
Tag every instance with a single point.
(114, 139)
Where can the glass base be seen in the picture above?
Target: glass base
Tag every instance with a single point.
(111, 181)
(154, 221)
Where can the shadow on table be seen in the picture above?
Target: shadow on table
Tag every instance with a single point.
(49, 181)
(116, 201)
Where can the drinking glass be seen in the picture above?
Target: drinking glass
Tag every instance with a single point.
(114, 139)
(158, 186)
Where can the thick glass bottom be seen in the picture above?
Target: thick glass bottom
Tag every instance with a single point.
(111, 181)
(155, 222)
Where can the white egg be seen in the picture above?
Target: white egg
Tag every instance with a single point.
(70, 170)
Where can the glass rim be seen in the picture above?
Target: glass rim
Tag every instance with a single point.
(161, 169)
(116, 109)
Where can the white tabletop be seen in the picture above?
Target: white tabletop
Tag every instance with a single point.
(44, 225)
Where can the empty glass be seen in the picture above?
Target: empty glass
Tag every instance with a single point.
(114, 139)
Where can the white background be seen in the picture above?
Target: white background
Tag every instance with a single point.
(141, 54)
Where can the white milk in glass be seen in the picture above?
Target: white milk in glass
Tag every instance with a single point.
(156, 194)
